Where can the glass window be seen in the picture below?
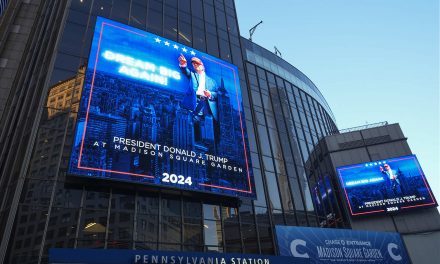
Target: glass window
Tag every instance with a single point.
(199, 38)
(185, 35)
(184, 5)
(96, 199)
(147, 227)
(170, 229)
(192, 231)
(232, 235)
(197, 8)
(93, 225)
(124, 202)
(264, 140)
(259, 189)
(250, 238)
(273, 190)
(209, 13)
(296, 191)
(120, 226)
(138, 15)
(212, 44)
(220, 18)
(154, 21)
(147, 204)
(192, 209)
(285, 194)
(266, 241)
(71, 43)
(213, 235)
(120, 10)
(211, 211)
(83, 6)
(262, 215)
(170, 207)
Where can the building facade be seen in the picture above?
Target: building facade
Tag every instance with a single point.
(43, 52)
(419, 229)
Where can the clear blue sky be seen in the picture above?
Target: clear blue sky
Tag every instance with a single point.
(375, 60)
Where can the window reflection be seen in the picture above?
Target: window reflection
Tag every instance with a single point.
(213, 233)
(147, 227)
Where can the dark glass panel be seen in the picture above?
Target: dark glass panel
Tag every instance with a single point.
(69, 198)
(259, 188)
(96, 199)
(93, 225)
(232, 236)
(70, 42)
(250, 238)
(147, 227)
(120, 244)
(262, 215)
(90, 243)
(171, 228)
(212, 44)
(192, 231)
(145, 246)
(277, 217)
(37, 192)
(122, 202)
(192, 209)
(102, 8)
(138, 16)
(120, 10)
(154, 21)
(147, 204)
(185, 5)
(121, 226)
(81, 5)
(171, 207)
(170, 247)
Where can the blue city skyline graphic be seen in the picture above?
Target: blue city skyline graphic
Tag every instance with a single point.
(134, 123)
(371, 187)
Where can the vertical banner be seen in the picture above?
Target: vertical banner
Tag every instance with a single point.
(329, 245)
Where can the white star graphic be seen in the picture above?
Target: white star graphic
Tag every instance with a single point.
(184, 50)
(157, 40)
(166, 43)
(175, 46)
(192, 53)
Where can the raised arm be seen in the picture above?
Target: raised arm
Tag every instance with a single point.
(183, 66)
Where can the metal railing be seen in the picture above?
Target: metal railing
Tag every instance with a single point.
(357, 128)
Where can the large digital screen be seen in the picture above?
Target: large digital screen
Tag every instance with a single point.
(325, 202)
(332, 245)
(385, 186)
(154, 111)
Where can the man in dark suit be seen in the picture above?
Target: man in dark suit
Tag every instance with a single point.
(392, 177)
(201, 100)
(200, 96)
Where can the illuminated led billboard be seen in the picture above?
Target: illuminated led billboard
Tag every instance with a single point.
(383, 186)
(155, 111)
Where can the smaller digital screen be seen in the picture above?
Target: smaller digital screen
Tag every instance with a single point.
(385, 186)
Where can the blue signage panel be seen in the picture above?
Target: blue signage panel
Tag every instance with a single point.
(385, 186)
(330, 245)
(157, 112)
(122, 256)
